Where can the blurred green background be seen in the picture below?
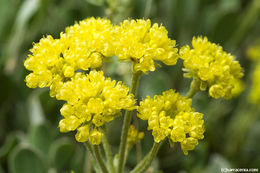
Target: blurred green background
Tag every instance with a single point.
(30, 141)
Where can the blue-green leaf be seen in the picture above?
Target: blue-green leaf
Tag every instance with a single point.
(61, 153)
(41, 137)
(24, 159)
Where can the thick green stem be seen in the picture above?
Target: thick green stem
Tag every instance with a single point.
(91, 151)
(194, 88)
(127, 121)
(88, 145)
(146, 162)
(88, 164)
(99, 159)
(108, 153)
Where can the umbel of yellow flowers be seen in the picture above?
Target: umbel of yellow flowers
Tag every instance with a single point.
(170, 115)
(87, 43)
(67, 66)
(142, 43)
(211, 66)
(91, 99)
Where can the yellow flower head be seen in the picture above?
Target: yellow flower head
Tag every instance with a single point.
(93, 100)
(170, 115)
(215, 69)
(134, 136)
(89, 41)
(81, 47)
(46, 64)
(141, 43)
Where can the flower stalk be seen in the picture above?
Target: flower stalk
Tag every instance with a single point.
(108, 153)
(126, 124)
(100, 159)
(91, 152)
(146, 162)
(194, 88)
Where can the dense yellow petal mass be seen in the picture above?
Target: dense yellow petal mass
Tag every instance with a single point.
(90, 40)
(141, 43)
(215, 69)
(85, 45)
(82, 46)
(170, 115)
(46, 64)
(93, 100)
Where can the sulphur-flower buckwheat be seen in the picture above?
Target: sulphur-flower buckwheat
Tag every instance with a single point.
(141, 43)
(92, 100)
(170, 115)
(82, 46)
(211, 66)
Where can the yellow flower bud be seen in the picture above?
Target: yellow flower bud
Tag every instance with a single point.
(83, 133)
(216, 91)
(95, 137)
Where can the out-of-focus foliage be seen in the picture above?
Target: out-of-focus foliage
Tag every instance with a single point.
(29, 137)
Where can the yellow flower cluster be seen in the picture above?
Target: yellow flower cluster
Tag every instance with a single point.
(141, 43)
(214, 68)
(46, 64)
(254, 54)
(81, 47)
(170, 115)
(85, 45)
(134, 136)
(92, 100)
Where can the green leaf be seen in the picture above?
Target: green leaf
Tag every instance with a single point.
(61, 153)
(24, 14)
(216, 163)
(41, 137)
(25, 159)
(9, 144)
(251, 148)
(35, 109)
(96, 2)
(78, 159)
